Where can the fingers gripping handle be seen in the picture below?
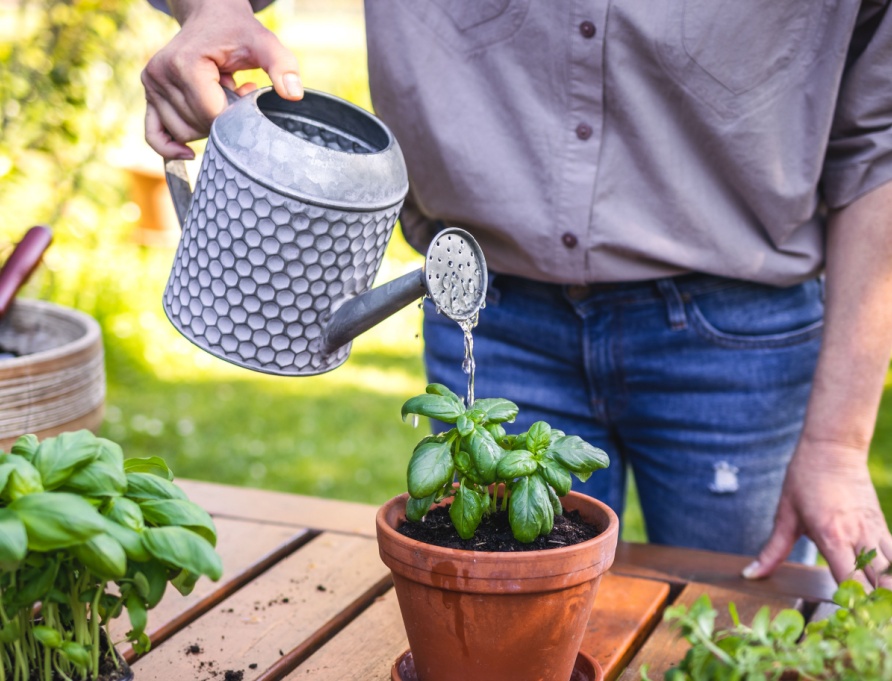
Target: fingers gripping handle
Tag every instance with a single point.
(178, 178)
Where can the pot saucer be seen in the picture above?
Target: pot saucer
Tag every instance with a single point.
(585, 669)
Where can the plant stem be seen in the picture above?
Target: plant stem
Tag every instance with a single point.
(94, 621)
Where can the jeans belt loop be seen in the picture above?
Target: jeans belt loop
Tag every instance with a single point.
(674, 304)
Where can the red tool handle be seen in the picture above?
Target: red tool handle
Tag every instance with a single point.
(23, 261)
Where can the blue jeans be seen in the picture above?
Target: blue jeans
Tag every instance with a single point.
(697, 383)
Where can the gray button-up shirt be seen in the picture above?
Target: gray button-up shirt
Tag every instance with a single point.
(612, 140)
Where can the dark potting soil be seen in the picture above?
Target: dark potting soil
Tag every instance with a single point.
(494, 532)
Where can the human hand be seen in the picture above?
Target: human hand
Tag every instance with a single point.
(829, 497)
(182, 81)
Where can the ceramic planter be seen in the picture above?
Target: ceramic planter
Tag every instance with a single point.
(496, 616)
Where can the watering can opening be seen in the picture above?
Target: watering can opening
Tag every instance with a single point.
(326, 122)
(293, 208)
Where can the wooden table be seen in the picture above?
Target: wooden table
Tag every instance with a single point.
(304, 595)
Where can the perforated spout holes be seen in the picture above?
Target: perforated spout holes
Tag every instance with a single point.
(456, 275)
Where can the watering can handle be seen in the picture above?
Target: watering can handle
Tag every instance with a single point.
(178, 179)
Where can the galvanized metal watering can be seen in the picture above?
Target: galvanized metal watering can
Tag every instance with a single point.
(293, 208)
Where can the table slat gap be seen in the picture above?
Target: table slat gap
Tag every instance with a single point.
(239, 580)
(326, 632)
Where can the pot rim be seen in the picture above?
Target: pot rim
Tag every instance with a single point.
(485, 571)
(90, 332)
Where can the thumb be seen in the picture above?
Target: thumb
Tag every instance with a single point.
(280, 64)
(776, 549)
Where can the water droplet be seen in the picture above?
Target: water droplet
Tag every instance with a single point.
(414, 420)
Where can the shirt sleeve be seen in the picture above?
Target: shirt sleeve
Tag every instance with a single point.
(859, 152)
(256, 4)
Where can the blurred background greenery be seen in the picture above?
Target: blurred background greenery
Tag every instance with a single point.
(72, 156)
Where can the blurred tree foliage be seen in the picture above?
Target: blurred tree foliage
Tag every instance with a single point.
(67, 85)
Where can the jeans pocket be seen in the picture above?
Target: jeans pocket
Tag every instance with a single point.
(758, 317)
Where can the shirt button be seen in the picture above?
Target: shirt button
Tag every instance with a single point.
(587, 29)
(583, 131)
(569, 239)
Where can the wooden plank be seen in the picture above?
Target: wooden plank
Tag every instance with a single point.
(721, 569)
(246, 549)
(294, 510)
(363, 651)
(665, 649)
(626, 610)
(272, 624)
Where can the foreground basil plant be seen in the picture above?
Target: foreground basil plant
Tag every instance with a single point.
(535, 466)
(87, 535)
(852, 644)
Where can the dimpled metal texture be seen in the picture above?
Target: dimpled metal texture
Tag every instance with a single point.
(257, 274)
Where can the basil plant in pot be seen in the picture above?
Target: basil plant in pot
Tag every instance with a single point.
(508, 611)
(85, 536)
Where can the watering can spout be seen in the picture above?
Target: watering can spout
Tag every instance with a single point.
(359, 314)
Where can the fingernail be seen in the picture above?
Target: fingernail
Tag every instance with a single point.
(293, 86)
(749, 572)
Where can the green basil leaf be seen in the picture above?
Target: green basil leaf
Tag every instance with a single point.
(130, 540)
(5, 469)
(49, 637)
(557, 476)
(154, 465)
(538, 436)
(97, 479)
(180, 512)
(485, 453)
(516, 464)
(464, 465)
(430, 467)
(464, 425)
(185, 582)
(103, 556)
(25, 446)
(497, 431)
(436, 407)
(144, 486)
(22, 480)
(57, 458)
(178, 547)
(529, 510)
(442, 390)
(13, 540)
(496, 410)
(150, 577)
(75, 653)
(555, 500)
(466, 511)
(38, 583)
(10, 631)
(125, 512)
(788, 625)
(416, 509)
(136, 611)
(577, 455)
(554, 435)
(57, 520)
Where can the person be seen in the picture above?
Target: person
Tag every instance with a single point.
(688, 210)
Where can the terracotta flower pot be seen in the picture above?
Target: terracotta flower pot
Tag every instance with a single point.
(496, 616)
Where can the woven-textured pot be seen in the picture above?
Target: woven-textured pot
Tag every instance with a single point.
(496, 616)
(57, 383)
